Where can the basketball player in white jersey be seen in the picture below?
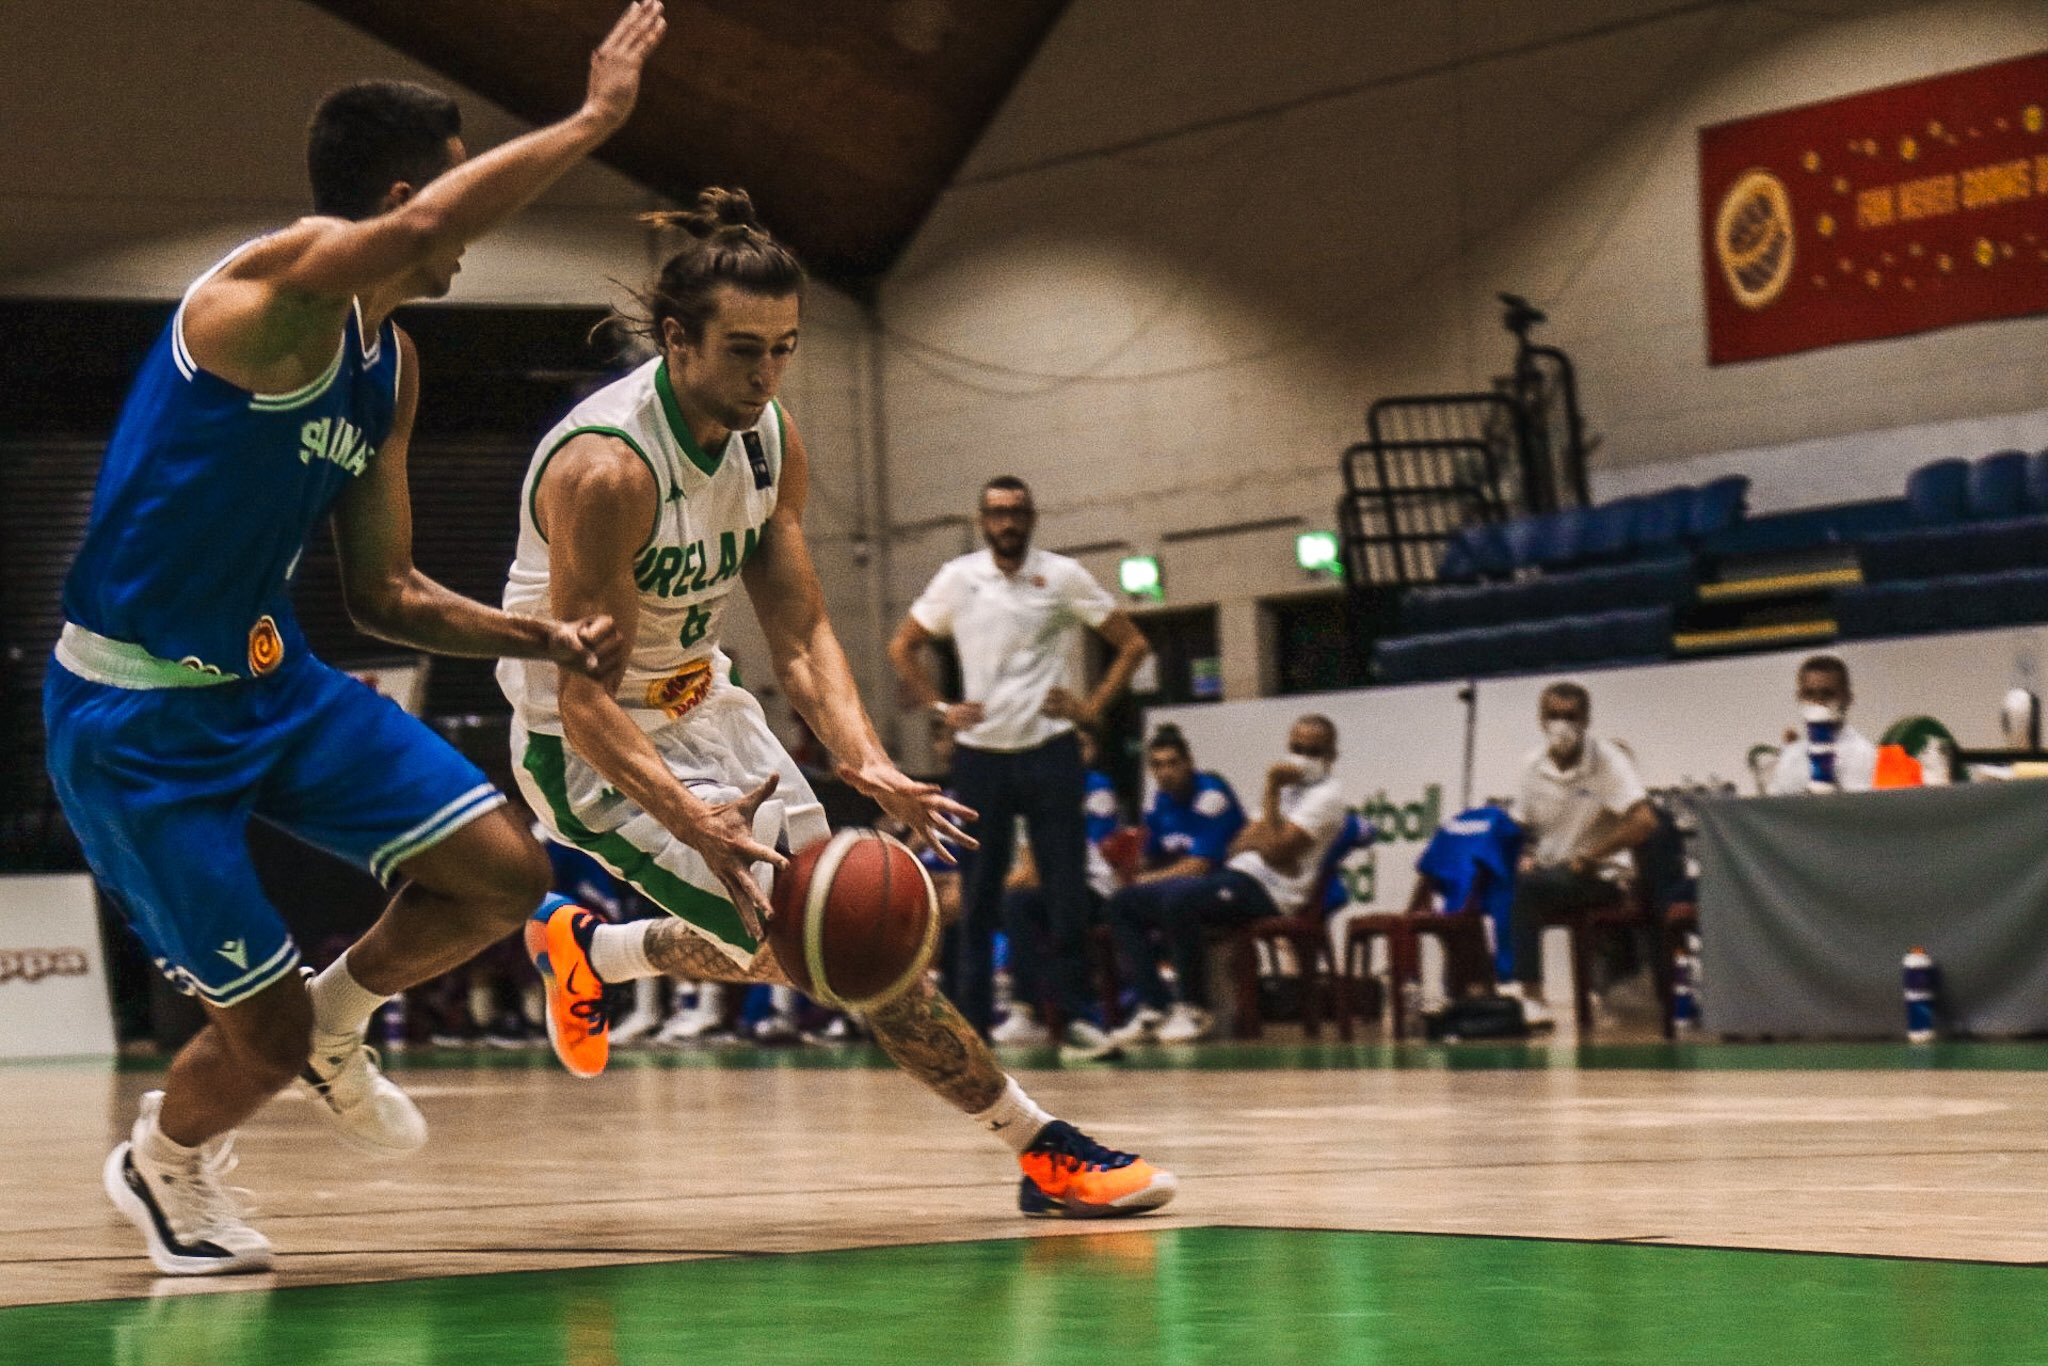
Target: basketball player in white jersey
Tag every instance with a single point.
(652, 501)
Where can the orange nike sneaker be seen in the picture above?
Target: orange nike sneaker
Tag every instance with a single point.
(1068, 1175)
(558, 942)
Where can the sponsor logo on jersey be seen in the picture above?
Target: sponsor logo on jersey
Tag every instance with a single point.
(266, 647)
(336, 440)
(757, 459)
(679, 693)
(672, 571)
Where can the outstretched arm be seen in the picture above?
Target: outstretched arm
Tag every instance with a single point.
(812, 667)
(595, 504)
(275, 309)
(388, 597)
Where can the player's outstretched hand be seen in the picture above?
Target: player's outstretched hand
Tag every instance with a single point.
(591, 646)
(615, 66)
(725, 837)
(924, 810)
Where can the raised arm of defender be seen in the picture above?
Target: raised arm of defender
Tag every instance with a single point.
(812, 666)
(388, 597)
(596, 504)
(271, 315)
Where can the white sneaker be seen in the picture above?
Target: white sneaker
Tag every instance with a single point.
(363, 1104)
(777, 1029)
(1086, 1041)
(1142, 1027)
(191, 1222)
(693, 1018)
(635, 1027)
(1535, 1014)
(1186, 1024)
(1021, 1029)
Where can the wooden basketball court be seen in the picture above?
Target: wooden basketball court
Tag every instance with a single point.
(1338, 1204)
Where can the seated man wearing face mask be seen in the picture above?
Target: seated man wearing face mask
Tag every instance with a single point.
(1582, 808)
(1272, 868)
(1826, 753)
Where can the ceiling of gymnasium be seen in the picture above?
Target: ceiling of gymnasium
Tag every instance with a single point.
(843, 118)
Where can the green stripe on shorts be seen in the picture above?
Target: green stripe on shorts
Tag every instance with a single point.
(706, 910)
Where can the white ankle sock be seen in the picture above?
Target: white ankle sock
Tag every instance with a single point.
(341, 1004)
(618, 953)
(1015, 1117)
(151, 1142)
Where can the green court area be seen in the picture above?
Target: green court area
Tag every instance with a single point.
(1223, 1295)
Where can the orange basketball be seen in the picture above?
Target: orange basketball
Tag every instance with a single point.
(855, 920)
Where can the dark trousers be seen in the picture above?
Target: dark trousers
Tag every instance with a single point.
(1046, 787)
(1179, 911)
(1027, 920)
(1543, 892)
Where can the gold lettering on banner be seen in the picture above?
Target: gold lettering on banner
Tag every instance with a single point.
(2006, 182)
(1929, 197)
(2041, 175)
(1875, 208)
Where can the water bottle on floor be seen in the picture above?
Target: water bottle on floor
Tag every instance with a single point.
(1920, 986)
(1685, 984)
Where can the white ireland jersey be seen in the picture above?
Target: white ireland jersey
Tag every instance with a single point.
(711, 512)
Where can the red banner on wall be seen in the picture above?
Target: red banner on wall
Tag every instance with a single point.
(1899, 210)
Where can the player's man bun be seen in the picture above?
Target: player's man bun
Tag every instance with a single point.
(725, 244)
(717, 210)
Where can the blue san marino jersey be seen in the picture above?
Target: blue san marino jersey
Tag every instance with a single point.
(208, 493)
(1204, 826)
(1098, 807)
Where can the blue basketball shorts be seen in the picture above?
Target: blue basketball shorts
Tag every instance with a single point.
(160, 784)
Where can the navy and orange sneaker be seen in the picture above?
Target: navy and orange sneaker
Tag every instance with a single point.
(1068, 1175)
(558, 942)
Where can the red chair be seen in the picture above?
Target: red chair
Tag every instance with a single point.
(1124, 850)
(1306, 934)
(1634, 910)
(1462, 932)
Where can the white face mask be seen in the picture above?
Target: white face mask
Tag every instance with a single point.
(1312, 771)
(1820, 714)
(1564, 736)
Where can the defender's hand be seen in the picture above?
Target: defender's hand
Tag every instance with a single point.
(725, 837)
(923, 809)
(615, 66)
(591, 646)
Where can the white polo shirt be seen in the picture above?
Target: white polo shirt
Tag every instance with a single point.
(1013, 632)
(1318, 810)
(1855, 765)
(1565, 809)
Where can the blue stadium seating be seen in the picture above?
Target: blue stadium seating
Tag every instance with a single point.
(1661, 519)
(1456, 607)
(2037, 482)
(1717, 506)
(1998, 486)
(1939, 493)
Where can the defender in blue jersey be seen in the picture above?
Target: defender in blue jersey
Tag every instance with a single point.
(182, 701)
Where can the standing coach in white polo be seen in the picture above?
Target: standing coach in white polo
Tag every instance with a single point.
(1012, 612)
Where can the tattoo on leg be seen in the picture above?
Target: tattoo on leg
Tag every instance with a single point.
(680, 951)
(928, 1039)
